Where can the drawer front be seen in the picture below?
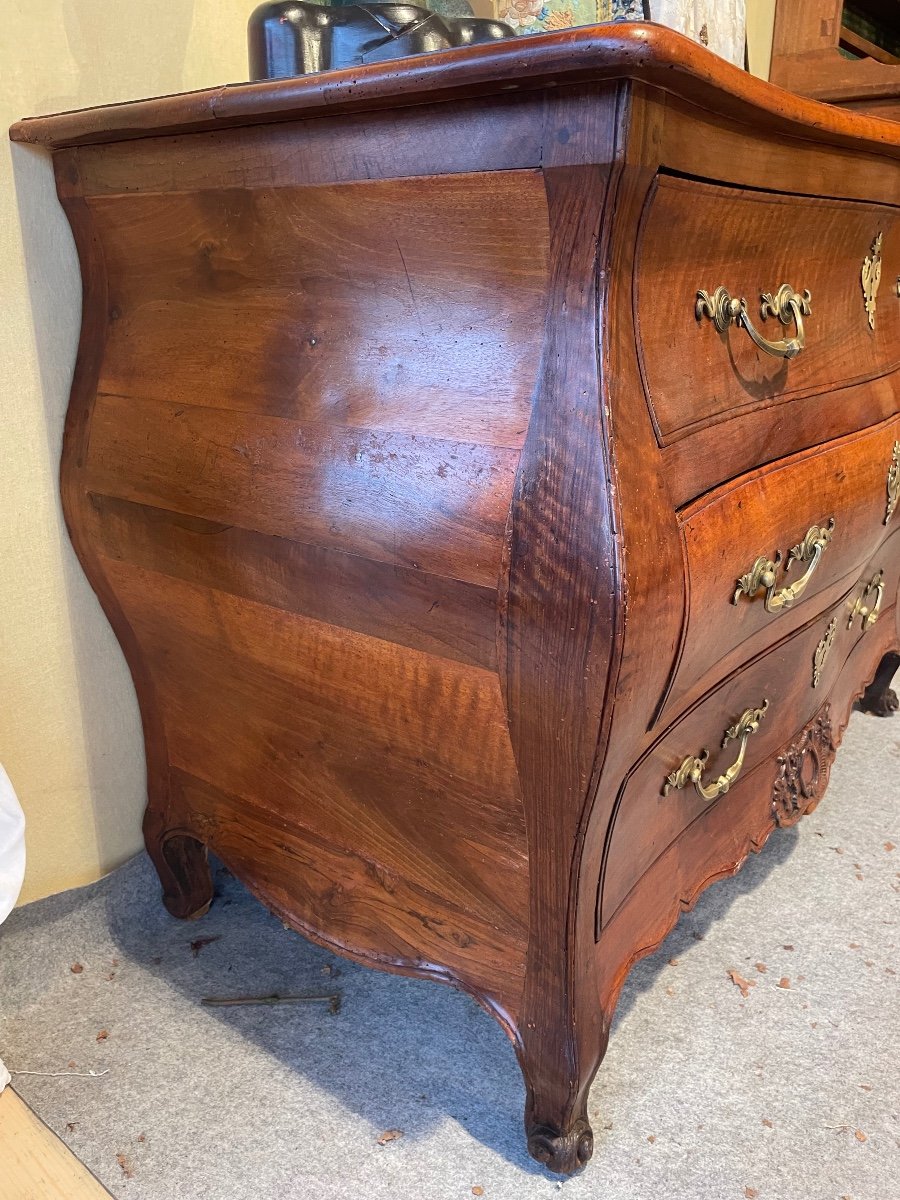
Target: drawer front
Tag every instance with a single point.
(696, 236)
(777, 695)
(759, 550)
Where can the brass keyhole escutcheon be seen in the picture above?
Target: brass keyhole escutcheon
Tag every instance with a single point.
(870, 277)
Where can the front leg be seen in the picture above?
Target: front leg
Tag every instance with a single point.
(556, 1122)
(557, 651)
(879, 698)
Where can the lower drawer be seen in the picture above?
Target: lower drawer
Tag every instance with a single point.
(744, 721)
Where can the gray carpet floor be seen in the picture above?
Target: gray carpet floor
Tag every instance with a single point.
(790, 1093)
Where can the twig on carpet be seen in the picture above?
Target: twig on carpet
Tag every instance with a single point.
(333, 1000)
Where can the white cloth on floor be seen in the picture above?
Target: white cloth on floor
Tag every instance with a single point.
(12, 862)
(12, 846)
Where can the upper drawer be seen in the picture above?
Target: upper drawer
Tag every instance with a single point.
(698, 236)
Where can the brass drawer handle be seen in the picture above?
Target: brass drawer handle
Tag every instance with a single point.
(867, 612)
(788, 306)
(762, 573)
(691, 770)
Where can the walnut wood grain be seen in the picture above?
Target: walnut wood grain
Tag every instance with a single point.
(406, 500)
(416, 496)
(434, 613)
(207, 283)
(561, 529)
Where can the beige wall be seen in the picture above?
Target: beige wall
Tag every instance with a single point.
(760, 24)
(69, 726)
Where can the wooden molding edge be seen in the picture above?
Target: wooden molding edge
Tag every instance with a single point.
(640, 51)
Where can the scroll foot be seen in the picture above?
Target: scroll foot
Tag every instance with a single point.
(879, 698)
(181, 863)
(562, 1151)
(558, 1070)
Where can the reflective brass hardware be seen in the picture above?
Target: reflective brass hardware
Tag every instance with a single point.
(788, 306)
(871, 278)
(893, 484)
(763, 573)
(863, 608)
(822, 651)
(691, 770)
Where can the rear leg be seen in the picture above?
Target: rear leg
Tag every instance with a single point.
(182, 866)
(879, 698)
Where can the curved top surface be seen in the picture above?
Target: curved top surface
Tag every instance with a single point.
(642, 51)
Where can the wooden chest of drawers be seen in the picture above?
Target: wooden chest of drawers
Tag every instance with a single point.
(490, 465)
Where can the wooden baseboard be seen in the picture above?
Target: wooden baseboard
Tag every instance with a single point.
(37, 1165)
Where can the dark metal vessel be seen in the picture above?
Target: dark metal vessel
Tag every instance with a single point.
(297, 38)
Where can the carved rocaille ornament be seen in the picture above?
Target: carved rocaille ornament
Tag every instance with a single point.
(803, 770)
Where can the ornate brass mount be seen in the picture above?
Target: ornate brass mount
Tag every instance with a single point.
(691, 770)
(788, 306)
(822, 651)
(893, 484)
(868, 612)
(763, 572)
(871, 278)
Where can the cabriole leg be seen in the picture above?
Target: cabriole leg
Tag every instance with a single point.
(556, 1122)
